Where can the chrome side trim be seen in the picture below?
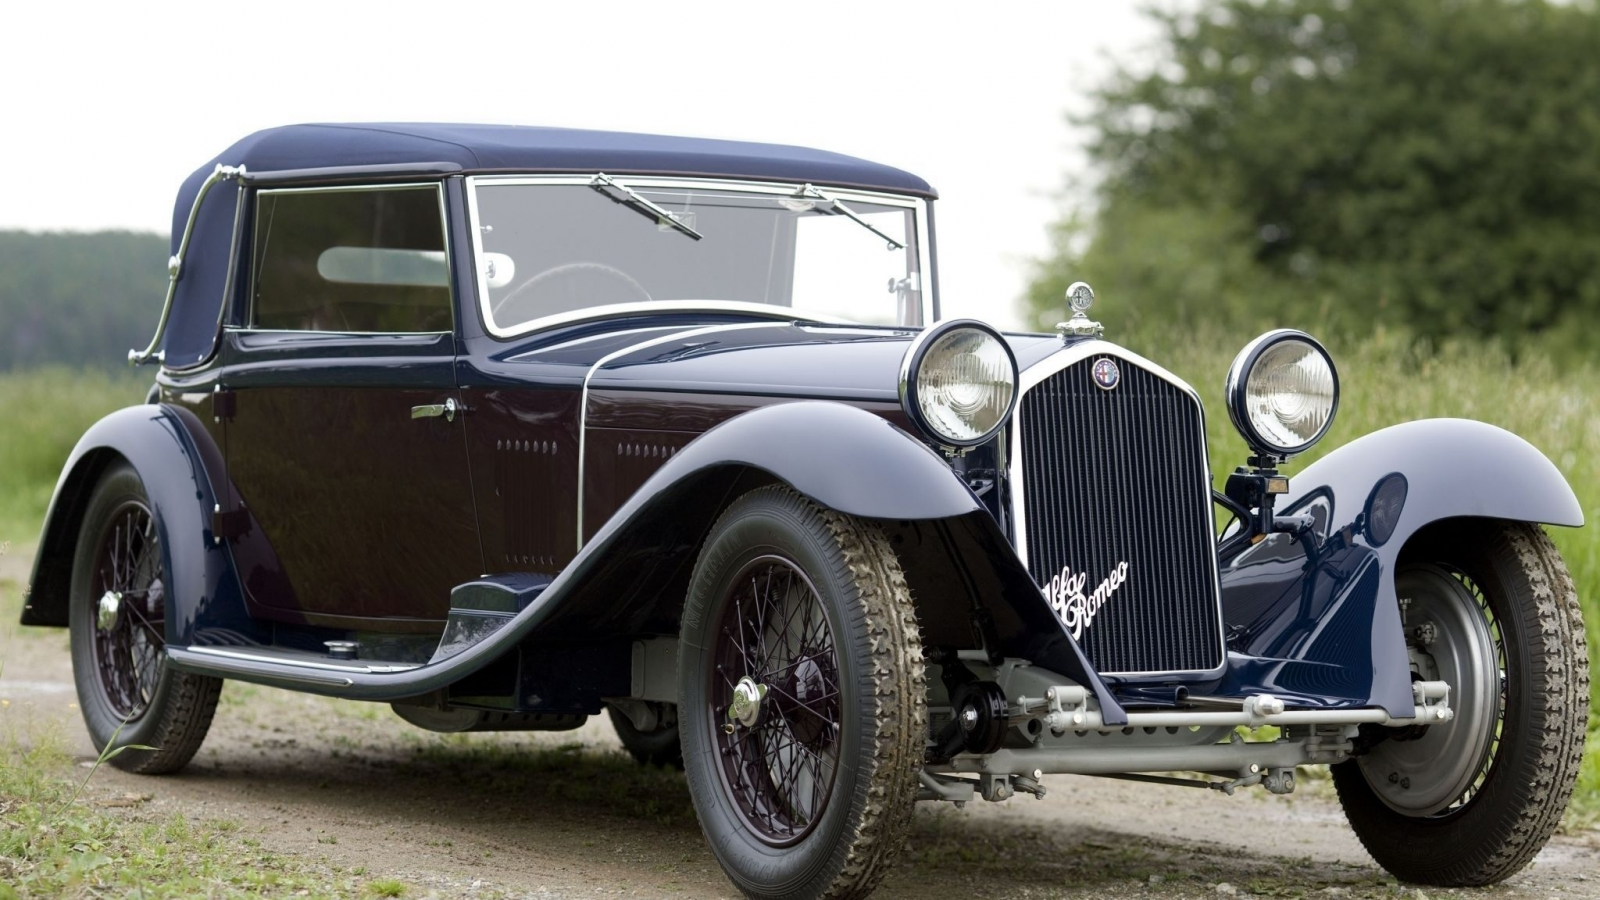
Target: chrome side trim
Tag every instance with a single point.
(1038, 373)
(287, 660)
(917, 205)
(175, 264)
(583, 400)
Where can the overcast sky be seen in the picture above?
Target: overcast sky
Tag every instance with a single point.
(107, 107)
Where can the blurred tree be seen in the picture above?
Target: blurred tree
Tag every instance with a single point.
(78, 299)
(1430, 164)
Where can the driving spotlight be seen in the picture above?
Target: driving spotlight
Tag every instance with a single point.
(958, 382)
(1282, 392)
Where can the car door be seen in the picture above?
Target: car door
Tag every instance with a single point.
(346, 441)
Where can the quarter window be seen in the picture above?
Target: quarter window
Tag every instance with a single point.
(350, 260)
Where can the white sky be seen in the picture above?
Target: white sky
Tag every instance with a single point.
(105, 113)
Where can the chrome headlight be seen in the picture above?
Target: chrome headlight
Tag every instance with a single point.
(958, 382)
(1282, 392)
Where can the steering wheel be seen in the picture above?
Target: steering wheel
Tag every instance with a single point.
(566, 269)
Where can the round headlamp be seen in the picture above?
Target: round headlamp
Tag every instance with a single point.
(1282, 392)
(958, 382)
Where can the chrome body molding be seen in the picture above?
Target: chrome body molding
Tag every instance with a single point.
(1071, 355)
(304, 662)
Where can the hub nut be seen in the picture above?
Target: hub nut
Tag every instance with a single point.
(110, 607)
(746, 706)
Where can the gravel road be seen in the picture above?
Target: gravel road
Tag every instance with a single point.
(350, 785)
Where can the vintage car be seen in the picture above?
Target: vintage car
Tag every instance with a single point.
(508, 426)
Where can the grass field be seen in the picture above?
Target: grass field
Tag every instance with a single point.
(44, 412)
(1383, 382)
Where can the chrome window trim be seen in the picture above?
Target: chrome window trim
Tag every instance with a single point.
(237, 329)
(918, 206)
(444, 231)
(1038, 373)
(583, 398)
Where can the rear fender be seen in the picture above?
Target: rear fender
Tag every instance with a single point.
(1331, 628)
(174, 457)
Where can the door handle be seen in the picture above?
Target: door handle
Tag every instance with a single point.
(430, 410)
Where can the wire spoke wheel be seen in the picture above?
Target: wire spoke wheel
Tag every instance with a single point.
(120, 599)
(130, 612)
(802, 698)
(779, 759)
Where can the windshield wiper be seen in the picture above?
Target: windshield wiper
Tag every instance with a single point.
(810, 192)
(640, 205)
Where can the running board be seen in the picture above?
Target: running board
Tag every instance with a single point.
(272, 664)
(488, 617)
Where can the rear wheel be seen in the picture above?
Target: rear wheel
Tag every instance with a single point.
(1490, 609)
(802, 698)
(117, 619)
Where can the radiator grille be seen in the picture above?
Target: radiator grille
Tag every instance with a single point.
(1118, 476)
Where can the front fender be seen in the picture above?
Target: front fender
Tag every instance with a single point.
(843, 457)
(1329, 626)
(174, 457)
(1453, 467)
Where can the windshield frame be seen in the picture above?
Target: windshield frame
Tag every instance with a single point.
(917, 205)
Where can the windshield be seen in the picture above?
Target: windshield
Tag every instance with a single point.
(547, 249)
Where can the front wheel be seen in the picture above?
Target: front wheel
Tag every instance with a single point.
(1490, 609)
(802, 698)
(129, 696)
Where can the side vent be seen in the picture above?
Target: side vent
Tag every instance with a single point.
(534, 481)
(635, 462)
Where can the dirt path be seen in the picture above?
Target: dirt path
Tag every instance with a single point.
(565, 815)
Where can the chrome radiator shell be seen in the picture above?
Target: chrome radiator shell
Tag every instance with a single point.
(1106, 476)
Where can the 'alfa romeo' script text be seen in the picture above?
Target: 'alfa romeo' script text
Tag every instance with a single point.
(1076, 608)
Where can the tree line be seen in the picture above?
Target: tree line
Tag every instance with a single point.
(1431, 166)
(78, 299)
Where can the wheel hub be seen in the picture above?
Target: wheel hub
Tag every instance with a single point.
(110, 606)
(1423, 771)
(746, 706)
(129, 614)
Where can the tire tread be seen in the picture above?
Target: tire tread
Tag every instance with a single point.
(1532, 797)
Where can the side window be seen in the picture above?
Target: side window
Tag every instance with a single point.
(361, 260)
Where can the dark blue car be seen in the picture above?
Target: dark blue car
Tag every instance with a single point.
(509, 426)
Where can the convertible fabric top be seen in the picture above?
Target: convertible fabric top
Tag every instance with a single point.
(518, 148)
(472, 149)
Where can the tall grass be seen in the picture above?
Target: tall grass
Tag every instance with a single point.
(43, 412)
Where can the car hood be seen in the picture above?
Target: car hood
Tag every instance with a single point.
(759, 358)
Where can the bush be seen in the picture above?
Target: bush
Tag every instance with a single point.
(1412, 163)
